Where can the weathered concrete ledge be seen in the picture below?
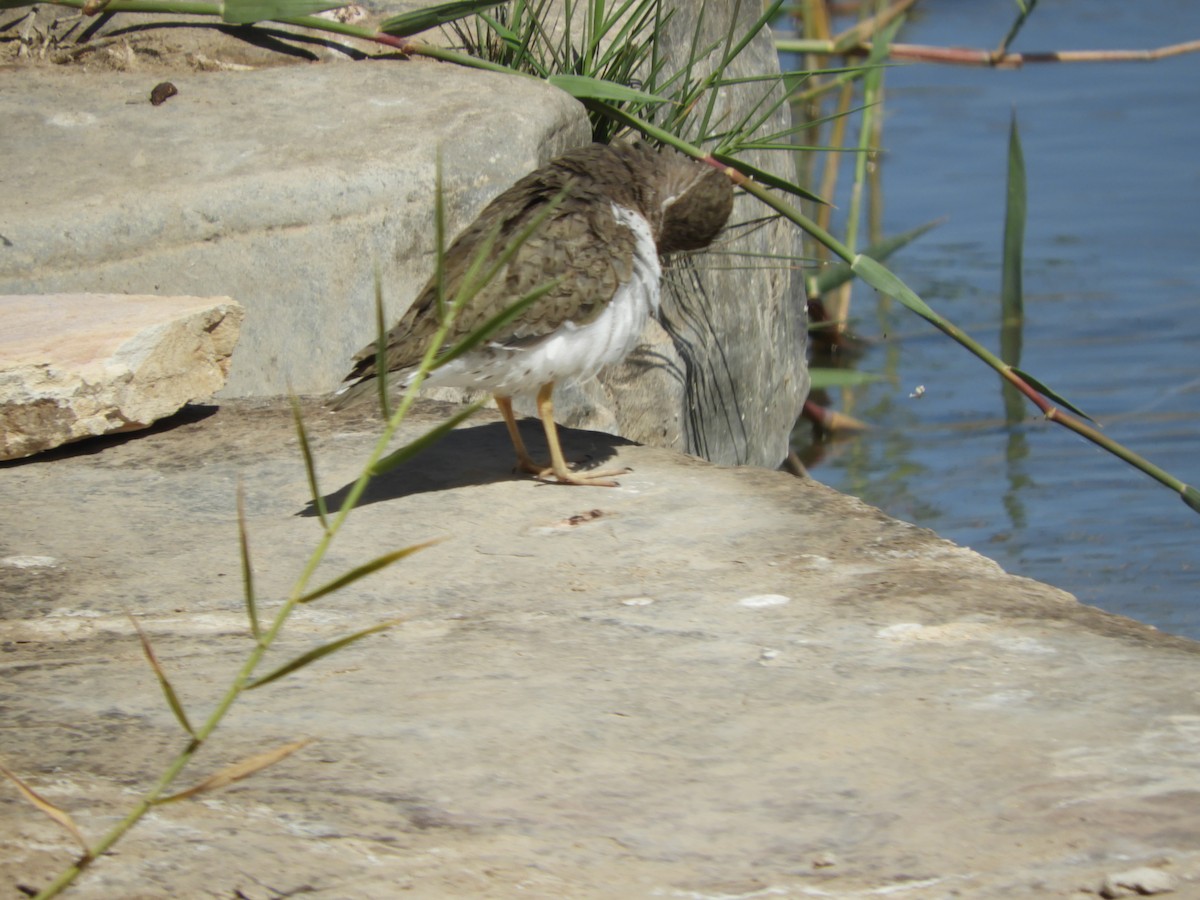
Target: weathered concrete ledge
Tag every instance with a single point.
(706, 683)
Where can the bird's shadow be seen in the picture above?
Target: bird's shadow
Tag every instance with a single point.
(474, 455)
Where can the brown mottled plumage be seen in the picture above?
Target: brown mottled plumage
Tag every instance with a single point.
(623, 205)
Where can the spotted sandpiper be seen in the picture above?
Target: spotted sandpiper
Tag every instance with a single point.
(615, 210)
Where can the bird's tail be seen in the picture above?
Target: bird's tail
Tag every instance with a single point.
(354, 393)
(362, 388)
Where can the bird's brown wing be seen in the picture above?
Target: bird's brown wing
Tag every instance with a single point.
(581, 243)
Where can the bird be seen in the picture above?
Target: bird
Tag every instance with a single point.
(609, 213)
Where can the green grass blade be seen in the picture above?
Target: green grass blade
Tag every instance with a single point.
(705, 125)
(247, 568)
(425, 441)
(319, 652)
(770, 13)
(1025, 9)
(764, 177)
(475, 278)
(867, 132)
(882, 279)
(765, 115)
(1011, 300)
(310, 470)
(496, 322)
(1191, 497)
(502, 31)
(368, 568)
(245, 12)
(381, 349)
(439, 235)
(473, 283)
(581, 87)
(419, 20)
(164, 682)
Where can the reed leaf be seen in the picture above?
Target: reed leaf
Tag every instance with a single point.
(410, 23)
(496, 322)
(164, 682)
(583, 87)
(320, 652)
(764, 177)
(381, 343)
(439, 242)
(379, 562)
(475, 278)
(1011, 299)
(246, 12)
(837, 274)
(472, 282)
(247, 568)
(61, 816)
(1051, 394)
(310, 470)
(239, 770)
(1026, 8)
(882, 279)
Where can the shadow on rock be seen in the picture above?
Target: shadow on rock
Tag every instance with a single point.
(191, 414)
(475, 455)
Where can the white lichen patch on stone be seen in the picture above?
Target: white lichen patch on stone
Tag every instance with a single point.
(29, 562)
(759, 601)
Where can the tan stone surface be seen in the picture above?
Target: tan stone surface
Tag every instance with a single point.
(78, 365)
(706, 683)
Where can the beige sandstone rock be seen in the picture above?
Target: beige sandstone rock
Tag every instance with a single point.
(77, 365)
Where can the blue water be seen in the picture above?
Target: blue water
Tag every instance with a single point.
(1112, 293)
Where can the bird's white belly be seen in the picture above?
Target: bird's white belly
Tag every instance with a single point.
(572, 352)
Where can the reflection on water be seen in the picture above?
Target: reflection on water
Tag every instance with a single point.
(1112, 305)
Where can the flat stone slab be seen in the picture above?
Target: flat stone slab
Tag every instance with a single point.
(708, 682)
(79, 365)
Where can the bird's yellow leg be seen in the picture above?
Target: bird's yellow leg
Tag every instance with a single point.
(558, 465)
(524, 461)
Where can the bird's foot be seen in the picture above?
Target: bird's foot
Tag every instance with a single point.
(530, 467)
(549, 474)
(586, 478)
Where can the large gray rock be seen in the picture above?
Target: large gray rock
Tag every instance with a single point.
(77, 365)
(283, 187)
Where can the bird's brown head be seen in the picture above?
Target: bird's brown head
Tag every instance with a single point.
(686, 202)
(693, 217)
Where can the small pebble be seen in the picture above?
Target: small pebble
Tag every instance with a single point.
(162, 92)
(637, 601)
